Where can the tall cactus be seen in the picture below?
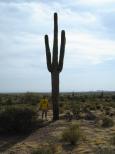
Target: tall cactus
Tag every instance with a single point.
(54, 65)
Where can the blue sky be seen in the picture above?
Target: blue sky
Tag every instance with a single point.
(90, 44)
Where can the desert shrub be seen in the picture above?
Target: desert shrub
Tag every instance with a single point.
(75, 108)
(108, 100)
(105, 150)
(66, 106)
(92, 107)
(83, 100)
(62, 107)
(9, 101)
(30, 98)
(98, 107)
(68, 116)
(85, 108)
(106, 108)
(72, 134)
(61, 104)
(17, 119)
(107, 122)
(113, 97)
(62, 98)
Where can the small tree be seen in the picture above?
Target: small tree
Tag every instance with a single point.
(55, 66)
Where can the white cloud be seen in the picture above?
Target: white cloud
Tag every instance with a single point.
(83, 48)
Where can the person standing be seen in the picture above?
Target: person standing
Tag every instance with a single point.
(43, 106)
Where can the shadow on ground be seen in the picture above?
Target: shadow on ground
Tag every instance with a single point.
(68, 147)
(7, 141)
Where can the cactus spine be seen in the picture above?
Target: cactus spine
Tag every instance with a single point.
(54, 65)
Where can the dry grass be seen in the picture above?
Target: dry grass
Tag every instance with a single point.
(72, 134)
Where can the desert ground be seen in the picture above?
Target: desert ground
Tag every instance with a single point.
(88, 110)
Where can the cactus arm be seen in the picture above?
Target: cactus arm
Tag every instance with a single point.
(55, 43)
(48, 54)
(62, 51)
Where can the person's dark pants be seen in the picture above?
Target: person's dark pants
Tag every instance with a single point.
(44, 112)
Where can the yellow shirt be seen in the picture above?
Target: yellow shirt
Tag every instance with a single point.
(44, 104)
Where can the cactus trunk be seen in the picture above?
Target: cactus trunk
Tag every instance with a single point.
(55, 95)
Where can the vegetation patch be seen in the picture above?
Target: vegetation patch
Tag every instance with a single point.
(107, 122)
(72, 135)
(16, 119)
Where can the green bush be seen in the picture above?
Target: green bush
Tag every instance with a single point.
(17, 119)
(107, 122)
(72, 134)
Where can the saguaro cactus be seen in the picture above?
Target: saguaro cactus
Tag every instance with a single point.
(55, 65)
